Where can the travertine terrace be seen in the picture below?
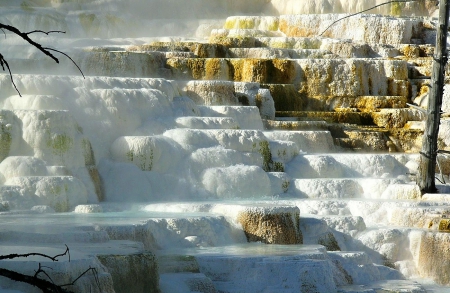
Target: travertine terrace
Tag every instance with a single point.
(255, 149)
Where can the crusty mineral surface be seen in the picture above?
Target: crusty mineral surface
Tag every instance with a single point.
(273, 225)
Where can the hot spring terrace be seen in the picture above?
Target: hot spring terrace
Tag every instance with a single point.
(264, 160)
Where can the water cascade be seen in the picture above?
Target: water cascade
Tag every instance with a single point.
(222, 147)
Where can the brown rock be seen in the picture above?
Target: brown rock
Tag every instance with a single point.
(270, 225)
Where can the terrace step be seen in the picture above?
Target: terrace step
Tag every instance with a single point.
(358, 118)
(199, 49)
(60, 193)
(364, 140)
(225, 267)
(273, 53)
(246, 117)
(207, 122)
(420, 67)
(345, 188)
(314, 141)
(287, 124)
(366, 103)
(351, 165)
(386, 118)
(110, 259)
(313, 25)
(285, 96)
(374, 138)
(230, 93)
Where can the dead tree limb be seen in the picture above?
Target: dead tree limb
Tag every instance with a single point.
(53, 258)
(45, 285)
(4, 63)
(26, 36)
(428, 154)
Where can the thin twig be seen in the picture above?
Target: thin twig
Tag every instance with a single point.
(40, 270)
(4, 63)
(376, 6)
(43, 285)
(94, 270)
(44, 32)
(50, 49)
(53, 258)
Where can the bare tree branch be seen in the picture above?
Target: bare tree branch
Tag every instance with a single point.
(25, 35)
(4, 63)
(376, 6)
(94, 271)
(28, 39)
(50, 49)
(47, 286)
(53, 258)
(44, 32)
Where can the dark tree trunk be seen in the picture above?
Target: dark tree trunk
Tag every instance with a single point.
(427, 166)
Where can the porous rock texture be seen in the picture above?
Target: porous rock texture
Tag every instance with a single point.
(270, 225)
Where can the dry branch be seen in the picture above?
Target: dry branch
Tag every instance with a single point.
(46, 286)
(25, 36)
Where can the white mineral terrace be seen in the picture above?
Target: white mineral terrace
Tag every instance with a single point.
(222, 146)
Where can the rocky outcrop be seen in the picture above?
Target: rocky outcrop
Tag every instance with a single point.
(271, 225)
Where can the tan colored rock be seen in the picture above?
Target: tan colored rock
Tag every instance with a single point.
(407, 140)
(273, 225)
(264, 70)
(233, 42)
(199, 68)
(396, 118)
(324, 78)
(371, 141)
(130, 64)
(285, 96)
(402, 192)
(212, 92)
(432, 257)
(415, 217)
(367, 103)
